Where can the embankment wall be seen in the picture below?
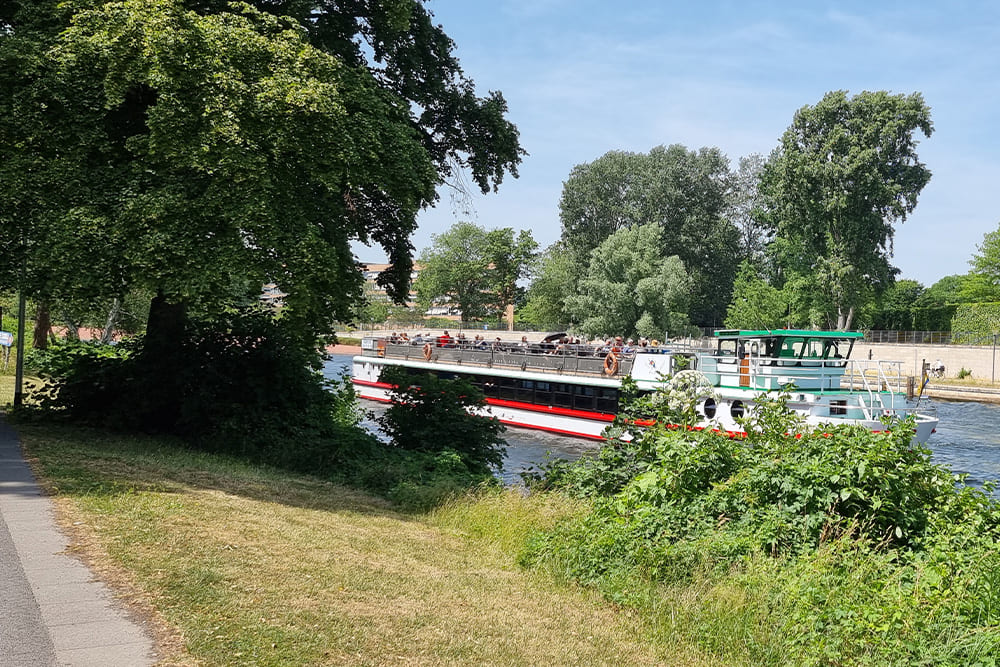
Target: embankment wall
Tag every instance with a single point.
(983, 361)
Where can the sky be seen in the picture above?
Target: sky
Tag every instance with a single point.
(585, 77)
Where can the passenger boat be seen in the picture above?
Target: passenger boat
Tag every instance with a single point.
(574, 390)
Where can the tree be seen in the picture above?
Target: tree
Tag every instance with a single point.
(475, 269)
(682, 191)
(895, 308)
(983, 281)
(845, 172)
(745, 202)
(755, 304)
(510, 261)
(184, 146)
(556, 279)
(630, 289)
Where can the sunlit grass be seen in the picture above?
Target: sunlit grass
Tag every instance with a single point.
(254, 566)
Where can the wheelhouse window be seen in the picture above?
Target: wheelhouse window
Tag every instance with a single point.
(727, 351)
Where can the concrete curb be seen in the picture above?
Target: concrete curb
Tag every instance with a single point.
(53, 611)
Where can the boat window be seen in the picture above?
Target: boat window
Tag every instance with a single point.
(607, 400)
(813, 349)
(526, 392)
(543, 393)
(834, 354)
(727, 351)
(562, 396)
(509, 387)
(737, 410)
(490, 388)
(583, 397)
(709, 408)
(790, 350)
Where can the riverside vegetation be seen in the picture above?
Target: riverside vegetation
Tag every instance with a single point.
(789, 546)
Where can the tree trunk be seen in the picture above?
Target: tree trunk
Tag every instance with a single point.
(844, 319)
(165, 326)
(43, 324)
(109, 327)
(159, 367)
(72, 330)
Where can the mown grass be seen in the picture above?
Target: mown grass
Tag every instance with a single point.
(248, 565)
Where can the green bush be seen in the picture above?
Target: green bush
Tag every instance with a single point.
(430, 414)
(845, 546)
(241, 385)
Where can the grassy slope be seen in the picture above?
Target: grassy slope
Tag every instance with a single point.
(252, 566)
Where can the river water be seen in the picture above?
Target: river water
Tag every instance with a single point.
(967, 440)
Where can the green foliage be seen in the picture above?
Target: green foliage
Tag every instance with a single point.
(983, 282)
(429, 414)
(683, 192)
(475, 270)
(963, 373)
(895, 308)
(242, 385)
(278, 134)
(846, 170)
(755, 304)
(975, 322)
(630, 289)
(842, 546)
(556, 279)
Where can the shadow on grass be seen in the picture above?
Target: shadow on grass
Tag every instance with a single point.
(80, 461)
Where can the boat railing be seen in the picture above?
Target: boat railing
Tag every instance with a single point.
(567, 359)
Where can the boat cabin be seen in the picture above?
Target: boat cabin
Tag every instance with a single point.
(772, 359)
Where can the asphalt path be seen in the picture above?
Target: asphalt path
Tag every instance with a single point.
(53, 610)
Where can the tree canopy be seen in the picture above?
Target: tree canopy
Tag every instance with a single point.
(187, 146)
(631, 289)
(845, 172)
(983, 282)
(475, 269)
(683, 192)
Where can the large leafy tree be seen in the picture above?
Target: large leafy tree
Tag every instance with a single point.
(895, 307)
(756, 304)
(983, 281)
(555, 279)
(845, 172)
(631, 289)
(683, 192)
(745, 202)
(187, 146)
(475, 269)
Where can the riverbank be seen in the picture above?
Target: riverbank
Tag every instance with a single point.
(251, 565)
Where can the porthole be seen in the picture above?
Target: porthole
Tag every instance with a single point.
(709, 408)
(737, 410)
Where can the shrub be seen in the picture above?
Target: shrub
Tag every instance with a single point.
(842, 546)
(240, 384)
(430, 414)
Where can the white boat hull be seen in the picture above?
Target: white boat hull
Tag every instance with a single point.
(366, 373)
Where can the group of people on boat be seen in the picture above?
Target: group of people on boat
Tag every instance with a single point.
(566, 345)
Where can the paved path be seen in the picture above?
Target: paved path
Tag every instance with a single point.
(53, 611)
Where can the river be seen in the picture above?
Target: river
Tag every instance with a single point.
(967, 440)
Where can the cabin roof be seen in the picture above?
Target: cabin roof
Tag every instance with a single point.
(743, 333)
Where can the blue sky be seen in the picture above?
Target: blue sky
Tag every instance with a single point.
(584, 77)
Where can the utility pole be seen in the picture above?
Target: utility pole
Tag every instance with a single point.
(19, 372)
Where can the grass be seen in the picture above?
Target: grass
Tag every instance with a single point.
(244, 565)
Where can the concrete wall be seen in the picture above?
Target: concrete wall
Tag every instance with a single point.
(979, 359)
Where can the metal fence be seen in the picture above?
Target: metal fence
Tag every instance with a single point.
(932, 337)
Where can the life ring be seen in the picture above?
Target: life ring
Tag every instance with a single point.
(427, 351)
(611, 364)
